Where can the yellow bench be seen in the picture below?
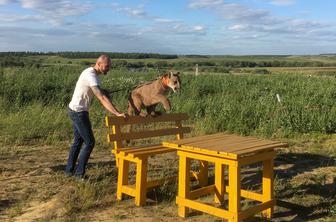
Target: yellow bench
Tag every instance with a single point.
(172, 125)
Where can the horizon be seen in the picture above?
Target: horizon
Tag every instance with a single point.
(193, 27)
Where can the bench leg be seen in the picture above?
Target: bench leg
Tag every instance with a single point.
(123, 170)
(267, 185)
(234, 193)
(219, 183)
(184, 183)
(203, 174)
(141, 182)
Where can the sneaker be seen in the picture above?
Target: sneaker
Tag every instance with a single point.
(80, 178)
(68, 174)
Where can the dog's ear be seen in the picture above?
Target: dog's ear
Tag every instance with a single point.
(166, 75)
(177, 74)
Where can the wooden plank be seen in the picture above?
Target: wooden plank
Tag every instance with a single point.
(141, 182)
(234, 191)
(257, 157)
(256, 209)
(158, 182)
(259, 149)
(184, 183)
(178, 124)
(223, 143)
(149, 133)
(222, 149)
(209, 158)
(205, 208)
(229, 146)
(186, 141)
(219, 144)
(219, 182)
(151, 152)
(129, 190)
(220, 141)
(201, 192)
(114, 120)
(240, 148)
(139, 148)
(268, 185)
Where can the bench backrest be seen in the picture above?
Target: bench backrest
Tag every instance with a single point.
(117, 136)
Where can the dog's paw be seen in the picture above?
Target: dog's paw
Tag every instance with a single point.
(143, 114)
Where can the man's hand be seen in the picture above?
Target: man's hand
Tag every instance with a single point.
(123, 115)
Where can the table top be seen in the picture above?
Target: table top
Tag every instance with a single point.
(224, 145)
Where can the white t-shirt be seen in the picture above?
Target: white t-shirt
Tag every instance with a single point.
(83, 94)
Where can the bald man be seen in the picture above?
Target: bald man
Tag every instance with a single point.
(87, 85)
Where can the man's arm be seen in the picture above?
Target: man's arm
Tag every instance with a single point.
(105, 101)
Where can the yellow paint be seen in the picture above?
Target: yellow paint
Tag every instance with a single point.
(184, 184)
(141, 182)
(122, 177)
(203, 173)
(267, 185)
(219, 183)
(205, 208)
(234, 193)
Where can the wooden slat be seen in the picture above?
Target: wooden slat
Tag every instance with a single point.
(220, 144)
(197, 139)
(154, 183)
(225, 143)
(114, 120)
(255, 209)
(149, 133)
(138, 148)
(260, 148)
(206, 208)
(151, 152)
(201, 192)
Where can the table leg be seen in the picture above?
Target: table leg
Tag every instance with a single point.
(219, 183)
(141, 182)
(122, 176)
(267, 185)
(184, 183)
(234, 194)
(203, 174)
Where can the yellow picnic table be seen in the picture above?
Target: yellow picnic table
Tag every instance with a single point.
(233, 151)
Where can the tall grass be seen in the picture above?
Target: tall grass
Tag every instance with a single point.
(33, 102)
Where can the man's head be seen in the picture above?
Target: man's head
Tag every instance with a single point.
(103, 64)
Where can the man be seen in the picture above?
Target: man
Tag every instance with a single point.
(86, 86)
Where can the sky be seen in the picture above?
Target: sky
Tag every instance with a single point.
(206, 27)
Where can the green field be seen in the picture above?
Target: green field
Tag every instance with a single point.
(239, 100)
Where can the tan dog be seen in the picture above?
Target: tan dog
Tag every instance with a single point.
(150, 94)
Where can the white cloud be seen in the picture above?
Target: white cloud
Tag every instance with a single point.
(5, 2)
(229, 10)
(238, 27)
(198, 28)
(256, 21)
(19, 18)
(55, 11)
(160, 25)
(163, 20)
(282, 2)
(198, 4)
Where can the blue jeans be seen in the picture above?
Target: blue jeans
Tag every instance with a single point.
(82, 134)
